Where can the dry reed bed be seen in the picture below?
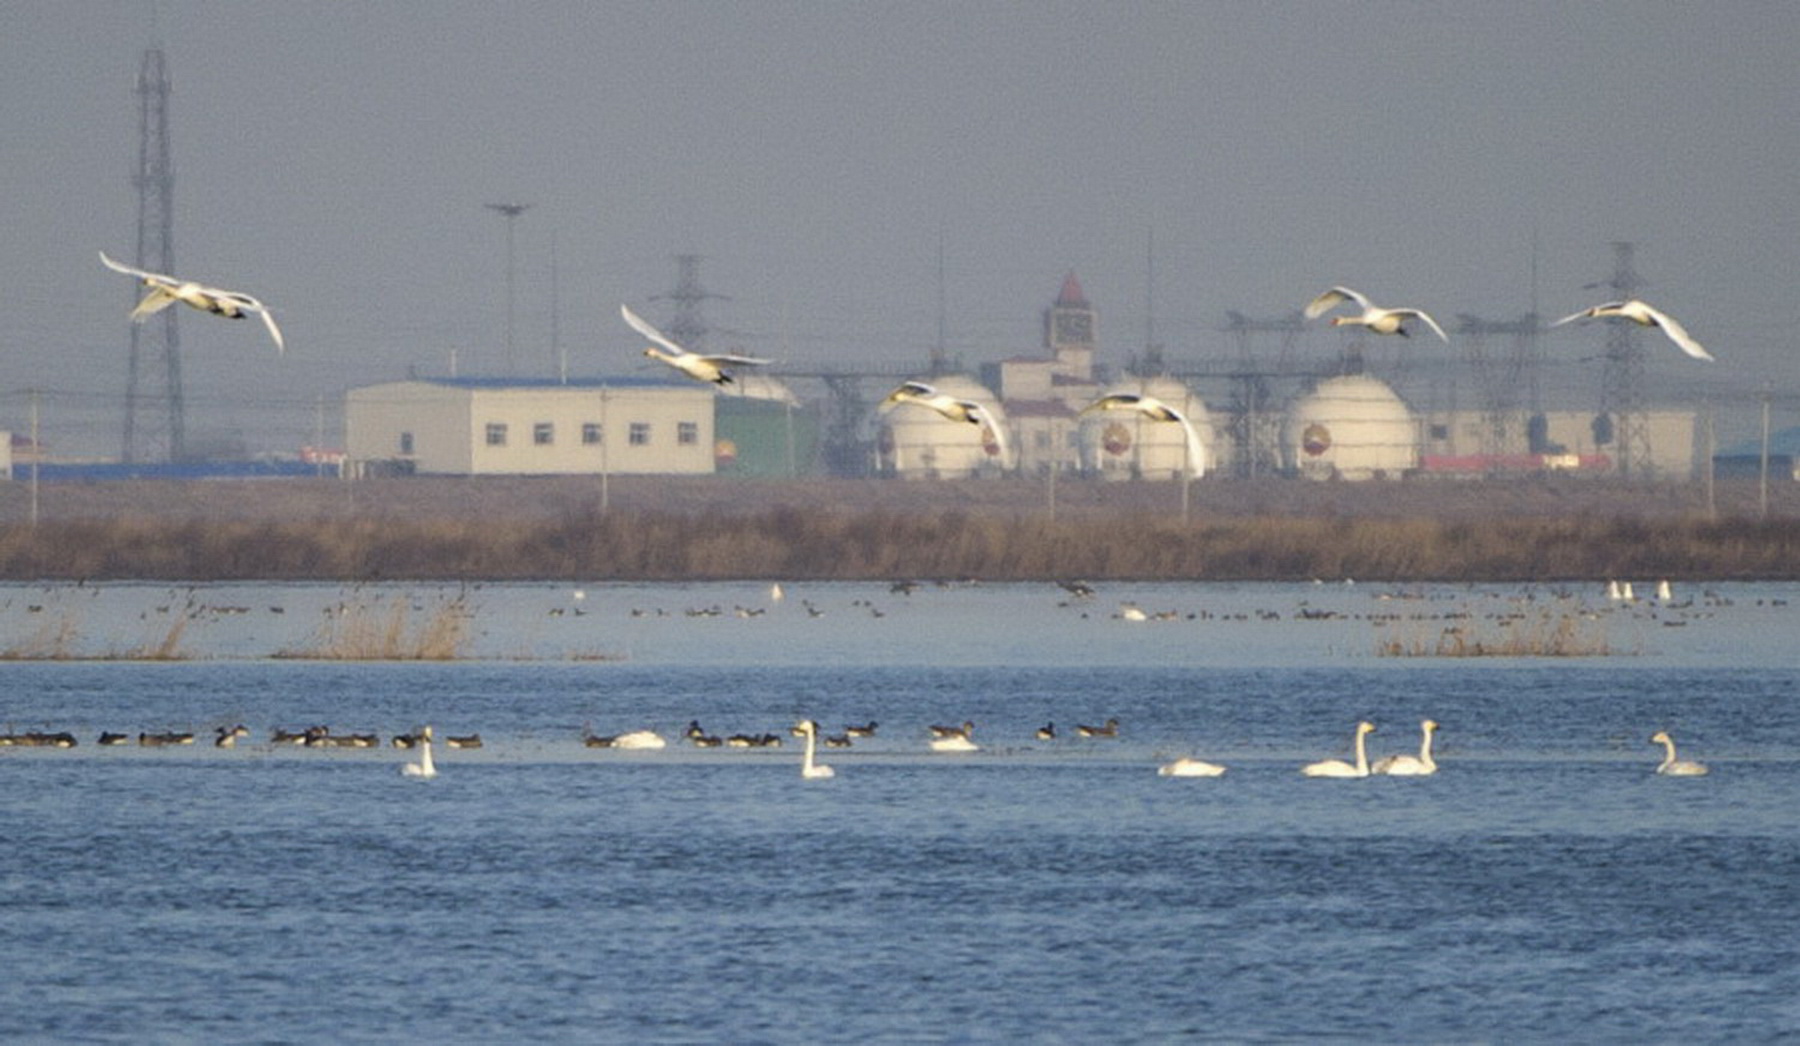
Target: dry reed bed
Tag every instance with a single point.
(883, 543)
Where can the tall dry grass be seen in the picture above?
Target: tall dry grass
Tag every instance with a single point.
(389, 628)
(789, 542)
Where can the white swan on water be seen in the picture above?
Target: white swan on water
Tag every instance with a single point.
(1339, 768)
(1670, 765)
(1189, 767)
(808, 768)
(424, 767)
(1408, 765)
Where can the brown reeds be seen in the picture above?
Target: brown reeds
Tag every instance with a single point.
(1549, 634)
(879, 537)
(389, 628)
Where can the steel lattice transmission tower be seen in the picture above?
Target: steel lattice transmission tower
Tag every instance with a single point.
(154, 366)
(1622, 376)
(688, 329)
(1503, 378)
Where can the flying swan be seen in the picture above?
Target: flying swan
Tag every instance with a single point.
(1407, 765)
(927, 396)
(1670, 765)
(1339, 768)
(694, 365)
(167, 290)
(1374, 317)
(1644, 315)
(1157, 410)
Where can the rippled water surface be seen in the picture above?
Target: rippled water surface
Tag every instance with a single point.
(1544, 885)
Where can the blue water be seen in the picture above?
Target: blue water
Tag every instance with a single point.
(1544, 885)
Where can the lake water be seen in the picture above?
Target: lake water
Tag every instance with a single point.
(1543, 885)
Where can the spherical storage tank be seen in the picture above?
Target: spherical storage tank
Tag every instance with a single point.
(1124, 444)
(1350, 427)
(916, 442)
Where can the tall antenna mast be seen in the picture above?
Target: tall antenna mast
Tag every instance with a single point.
(155, 341)
(940, 353)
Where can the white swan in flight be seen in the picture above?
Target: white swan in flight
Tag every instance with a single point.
(1374, 317)
(928, 396)
(167, 290)
(1643, 314)
(424, 767)
(1409, 765)
(808, 768)
(1189, 767)
(701, 368)
(1339, 768)
(1157, 410)
(1670, 765)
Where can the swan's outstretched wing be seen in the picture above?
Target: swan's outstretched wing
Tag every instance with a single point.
(155, 278)
(728, 360)
(1611, 307)
(1677, 333)
(268, 319)
(638, 324)
(1429, 322)
(1331, 299)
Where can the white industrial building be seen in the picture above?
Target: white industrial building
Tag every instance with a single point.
(1350, 427)
(487, 426)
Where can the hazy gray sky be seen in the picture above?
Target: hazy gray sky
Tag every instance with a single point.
(333, 159)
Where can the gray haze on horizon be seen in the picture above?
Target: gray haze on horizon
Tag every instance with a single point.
(335, 159)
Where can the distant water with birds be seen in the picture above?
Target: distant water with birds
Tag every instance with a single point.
(1544, 884)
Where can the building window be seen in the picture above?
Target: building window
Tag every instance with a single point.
(640, 434)
(687, 433)
(496, 434)
(590, 433)
(406, 443)
(543, 433)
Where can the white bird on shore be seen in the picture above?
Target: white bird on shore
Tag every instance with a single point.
(1339, 768)
(1374, 317)
(694, 365)
(167, 290)
(424, 767)
(1644, 315)
(1408, 765)
(928, 396)
(1670, 765)
(1157, 410)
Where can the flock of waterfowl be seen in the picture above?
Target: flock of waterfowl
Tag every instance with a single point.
(941, 738)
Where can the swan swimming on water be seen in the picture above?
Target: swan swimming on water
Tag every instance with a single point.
(808, 768)
(424, 767)
(1670, 765)
(1189, 767)
(1339, 768)
(1407, 765)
